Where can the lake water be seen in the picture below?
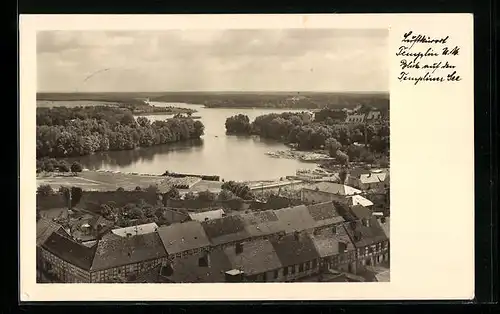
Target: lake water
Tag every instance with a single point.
(232, 157)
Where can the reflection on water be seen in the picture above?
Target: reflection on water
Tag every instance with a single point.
(231, 157)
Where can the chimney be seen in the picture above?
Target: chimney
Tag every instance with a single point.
(296, 235)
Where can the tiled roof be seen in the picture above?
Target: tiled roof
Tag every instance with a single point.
(262, 223)
(326, 242)
(257, 257)
(184, 236)
(136, 230)
(324, 214)
(360, 200)
(292, 251)
(208, 215)
(361, 212)
(295, 218)
(333, 188)
(123, 251)
(225, 230)
(70, 251)
(44, 228)
(187, 270)
(362, 235)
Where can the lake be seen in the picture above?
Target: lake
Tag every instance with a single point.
(240, 158)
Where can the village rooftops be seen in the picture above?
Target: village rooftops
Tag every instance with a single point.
(373, 177)
(360, 200)
(293, 249)
(136, 230)
(333, 188)
(117, 252)
(180, 237)
(361, 212)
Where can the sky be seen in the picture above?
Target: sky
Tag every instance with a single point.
(333, 60)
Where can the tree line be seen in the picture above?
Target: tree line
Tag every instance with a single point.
(79, 131)
(343, 141)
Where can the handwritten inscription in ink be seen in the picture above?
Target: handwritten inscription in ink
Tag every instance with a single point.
(426, 59)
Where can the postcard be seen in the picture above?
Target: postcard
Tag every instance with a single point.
(246, 157)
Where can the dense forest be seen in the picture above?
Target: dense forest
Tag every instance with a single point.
(78, 131)
(343, 141)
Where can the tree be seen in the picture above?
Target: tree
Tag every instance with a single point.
(76, 167)
(44, 190)
(172, 193)
(225, 195)
(189, 196)
(332, 145)
(63, 166)
(206, 196)
(138, 188)
(120, 189)
(76, 196)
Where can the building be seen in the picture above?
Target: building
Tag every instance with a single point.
(136, 230)
(375, 179)
(116, 259)
(182, 239)
(370, 241)
(374, 115)
(322, 192)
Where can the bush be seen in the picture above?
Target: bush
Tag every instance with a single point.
(76, 167)
(45, 190)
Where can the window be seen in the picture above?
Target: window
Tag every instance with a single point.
(292, 269)
(285, 271)
(307, 266)
(314, 263)
(301, 268)
(239, 248)
(203, 262)
(276, 274)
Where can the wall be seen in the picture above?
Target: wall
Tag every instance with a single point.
(373, 254)
(65, 271)
(124, 272)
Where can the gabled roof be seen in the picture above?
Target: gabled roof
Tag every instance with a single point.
(123, 251)
(208, 215)
(44, 228)
(187, 270)
(184, 236)
(333, 188)
(70, 251)
(292, 251)
(225, 230)
(295, 218)
(257, 257)
(262, 223)
(136, 230)
(325, 242)
(324, 214)
(362, 236)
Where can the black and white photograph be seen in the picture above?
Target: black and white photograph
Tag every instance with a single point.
(213, 155)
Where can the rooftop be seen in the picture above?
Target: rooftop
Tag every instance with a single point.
(257, 257)
(44, 228)
(123, 251)
(70, 251)
(208, 215)
(293, 251)
(225, 230)
(136, 230)
(184, 236)
(362, 235)
(295, 218)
